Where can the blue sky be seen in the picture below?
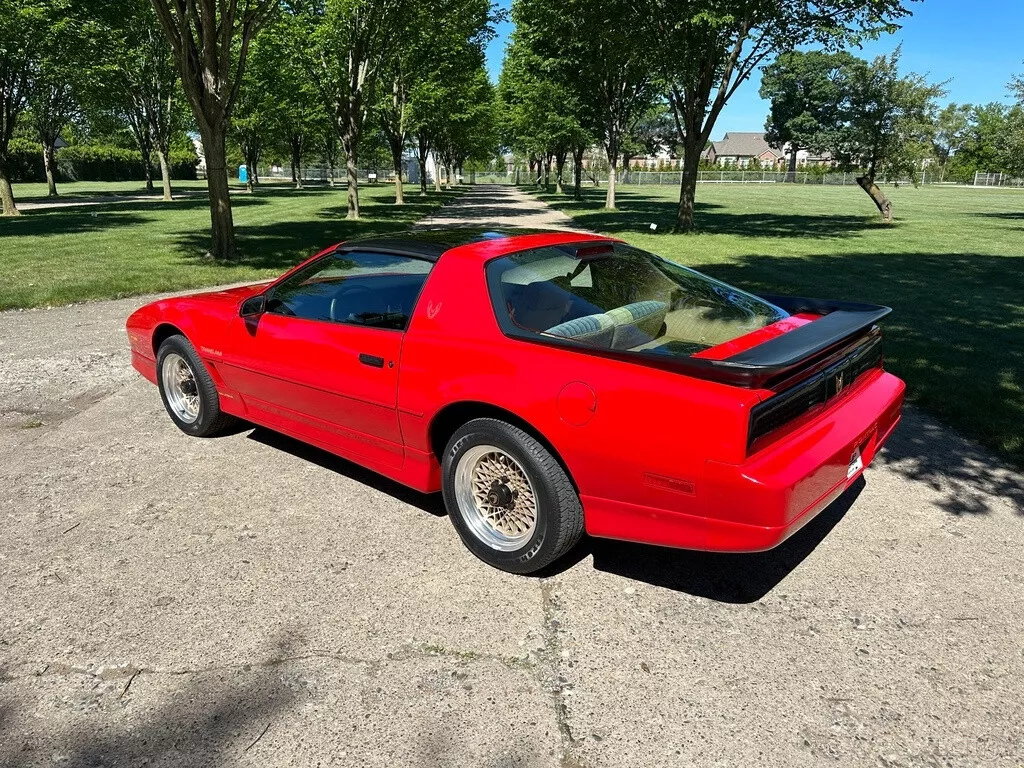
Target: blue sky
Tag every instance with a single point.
(975, 45)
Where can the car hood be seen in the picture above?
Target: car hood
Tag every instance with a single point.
(229, 295)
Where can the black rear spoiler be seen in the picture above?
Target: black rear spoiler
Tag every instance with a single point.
(841, 320)
(777, 358)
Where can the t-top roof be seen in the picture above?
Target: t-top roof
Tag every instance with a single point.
(430, 243)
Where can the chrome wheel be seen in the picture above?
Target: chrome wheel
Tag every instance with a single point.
(180, 387)
(496, 498)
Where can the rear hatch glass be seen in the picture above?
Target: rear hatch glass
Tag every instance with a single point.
(614, 296)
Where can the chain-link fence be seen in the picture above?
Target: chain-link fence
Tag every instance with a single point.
(323, 173)
(634, 177)
(996, 180)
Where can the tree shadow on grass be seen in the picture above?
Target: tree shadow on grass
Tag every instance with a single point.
(283, 244)
(956, 336)
(97, 218)
(638, 210)
(1013, 217)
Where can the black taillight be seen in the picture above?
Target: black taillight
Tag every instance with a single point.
(817, 390)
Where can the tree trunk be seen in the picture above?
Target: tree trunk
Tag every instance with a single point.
(609, 198)
(577, 172)
(51, 170)
(396, 161)
(547, 170)
(877, 197)
(791, 173)
(422, 162)
(222, 226)
(165, 174)
(147, 164)
(7, 196)
(437, 174)
(352, 178)
(296, 142)
(559, 170)
(688, 185)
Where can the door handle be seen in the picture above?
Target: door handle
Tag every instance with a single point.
(371, 360)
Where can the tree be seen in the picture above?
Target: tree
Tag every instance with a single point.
(210, 43)
(350, 39)
(539, 114)
(22, 38)
(138, 84)
(887, 126)
(704, 51)
(952, 128)
(441, 88)
(592, 48)
(53, 106)
(805, 89)
(651, 133)
(1012, 138)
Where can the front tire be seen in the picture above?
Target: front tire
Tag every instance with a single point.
(509, 499)
(188, 391)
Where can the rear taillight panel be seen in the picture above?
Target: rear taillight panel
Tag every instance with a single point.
(816, 391)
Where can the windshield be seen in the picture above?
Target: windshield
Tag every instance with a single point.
(614, 296)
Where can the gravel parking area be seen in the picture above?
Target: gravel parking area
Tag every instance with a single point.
(248, 600)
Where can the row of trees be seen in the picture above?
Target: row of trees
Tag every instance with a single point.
(580, 65)
(319, 76)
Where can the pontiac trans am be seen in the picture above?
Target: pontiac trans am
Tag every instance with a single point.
(547, 383)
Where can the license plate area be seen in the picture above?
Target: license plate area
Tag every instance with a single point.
(856, 463)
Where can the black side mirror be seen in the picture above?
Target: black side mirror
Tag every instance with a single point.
(254, 306)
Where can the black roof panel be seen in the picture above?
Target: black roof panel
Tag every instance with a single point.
(430, 243)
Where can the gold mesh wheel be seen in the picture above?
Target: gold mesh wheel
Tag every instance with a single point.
(496, 498)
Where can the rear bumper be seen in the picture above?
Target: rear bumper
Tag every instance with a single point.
(757, 505)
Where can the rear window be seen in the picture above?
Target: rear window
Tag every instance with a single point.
(614, 296)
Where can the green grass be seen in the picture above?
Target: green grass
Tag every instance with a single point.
(65, 255)
(37, 193)
(951, 267)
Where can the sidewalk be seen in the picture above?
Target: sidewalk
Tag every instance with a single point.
(499, 205)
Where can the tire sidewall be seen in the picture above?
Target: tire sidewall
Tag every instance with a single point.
(536, 552)
(209, 404)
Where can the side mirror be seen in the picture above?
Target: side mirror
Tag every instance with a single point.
(254, 306)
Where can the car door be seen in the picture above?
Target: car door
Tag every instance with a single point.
(322, 359)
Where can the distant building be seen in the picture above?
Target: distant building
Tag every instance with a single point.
(741, 149)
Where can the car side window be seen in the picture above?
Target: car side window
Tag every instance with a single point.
(378, 290)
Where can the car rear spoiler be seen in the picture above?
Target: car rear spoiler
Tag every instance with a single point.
(778, 358)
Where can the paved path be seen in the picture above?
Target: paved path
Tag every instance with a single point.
(249, 601)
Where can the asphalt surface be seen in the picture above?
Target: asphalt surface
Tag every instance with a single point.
(245, 600)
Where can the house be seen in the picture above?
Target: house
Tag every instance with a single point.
(741, 149)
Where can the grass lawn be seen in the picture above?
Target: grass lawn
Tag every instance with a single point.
(951, 267)
(64, 255)
(36, 193)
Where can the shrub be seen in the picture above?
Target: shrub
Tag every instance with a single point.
(25, 160)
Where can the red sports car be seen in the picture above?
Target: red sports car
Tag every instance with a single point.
(546, 382)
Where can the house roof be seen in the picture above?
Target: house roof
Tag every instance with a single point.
(743, 145)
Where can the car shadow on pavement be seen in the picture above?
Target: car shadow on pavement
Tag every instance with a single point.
(725, 578)
(432, 503)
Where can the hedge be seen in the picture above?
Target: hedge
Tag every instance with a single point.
(92, 162)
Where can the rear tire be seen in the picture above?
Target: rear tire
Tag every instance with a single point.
(509, 499)
(188, 391)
